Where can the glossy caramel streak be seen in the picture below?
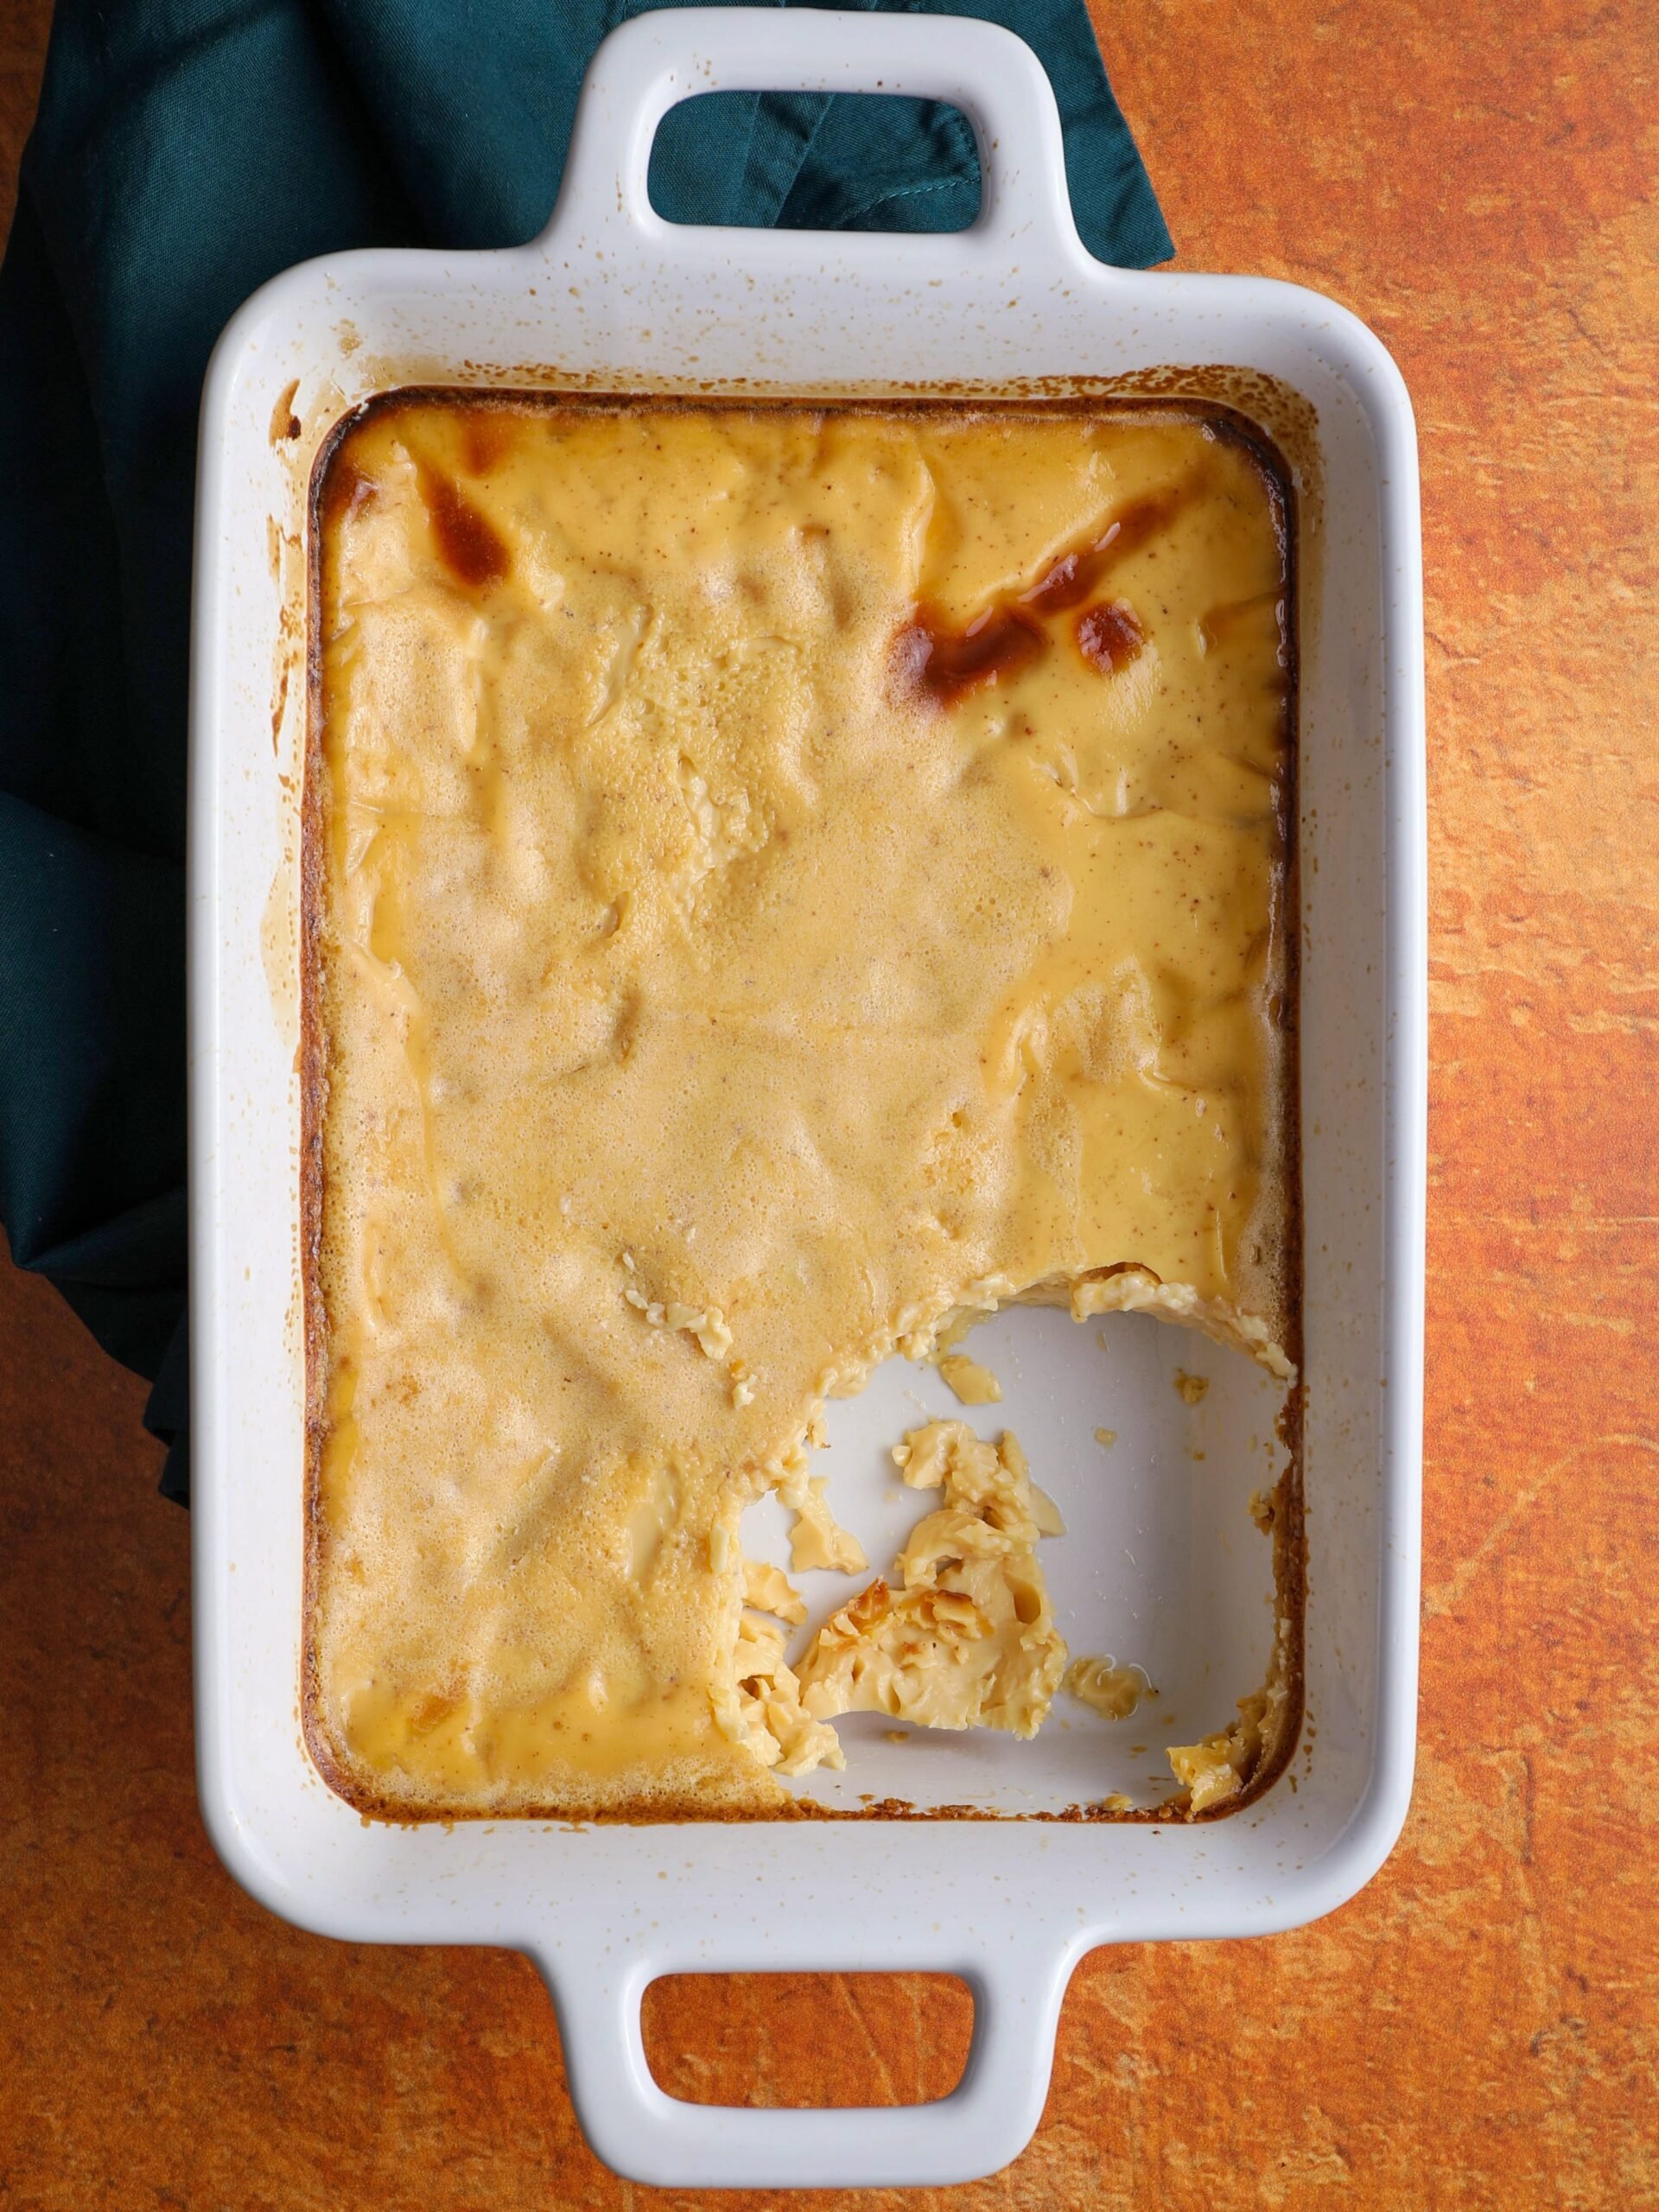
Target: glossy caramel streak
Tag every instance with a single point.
(1070, 579)
(470, 547)
(942, 663)
(932, 657)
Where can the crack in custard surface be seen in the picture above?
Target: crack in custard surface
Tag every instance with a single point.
(780, 881)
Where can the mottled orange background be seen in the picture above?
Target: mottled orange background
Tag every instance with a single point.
(1481, 2026)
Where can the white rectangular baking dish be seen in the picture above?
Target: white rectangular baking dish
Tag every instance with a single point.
(1159, 1559)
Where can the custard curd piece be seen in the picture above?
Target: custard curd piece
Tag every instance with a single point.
(1112, 1690)
(779, 883)
(1218, 1768)
(968, 1639)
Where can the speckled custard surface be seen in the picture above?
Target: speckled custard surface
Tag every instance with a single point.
(777, 882)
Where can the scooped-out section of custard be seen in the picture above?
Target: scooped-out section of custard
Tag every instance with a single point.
(780, 881)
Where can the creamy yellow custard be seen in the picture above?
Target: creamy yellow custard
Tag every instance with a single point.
(778, 881)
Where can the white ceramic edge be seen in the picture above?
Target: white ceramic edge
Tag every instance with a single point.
(1017, 1955)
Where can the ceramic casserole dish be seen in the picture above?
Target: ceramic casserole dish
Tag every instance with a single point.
(612, 299)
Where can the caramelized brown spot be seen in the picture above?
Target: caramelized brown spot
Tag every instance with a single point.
(945, 661)
(1109, 636)
(870, 1604)
(471, 546)
(489, 435)
(1075, 574)
(344, 489)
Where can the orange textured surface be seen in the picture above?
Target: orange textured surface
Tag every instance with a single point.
(1481, 2026)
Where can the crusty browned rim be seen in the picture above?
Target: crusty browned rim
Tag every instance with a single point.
(1290, 1558)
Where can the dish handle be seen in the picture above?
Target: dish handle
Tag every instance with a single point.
(647, 2136)
(649, 64)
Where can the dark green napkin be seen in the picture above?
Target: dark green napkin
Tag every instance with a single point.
(185, 150)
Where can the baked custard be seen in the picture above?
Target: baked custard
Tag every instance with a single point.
(781, 882)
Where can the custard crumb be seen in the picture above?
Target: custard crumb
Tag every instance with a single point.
(969, 1383)
(1192, 1388)
(1112, 1691)
(1106, 1438)
(1045, 1513)
(1263, 1510)
(769, 1590)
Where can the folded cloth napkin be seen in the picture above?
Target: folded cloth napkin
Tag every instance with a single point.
(185, 150)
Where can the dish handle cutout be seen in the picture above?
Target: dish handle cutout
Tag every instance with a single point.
(650, 64)
(647, 2136)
